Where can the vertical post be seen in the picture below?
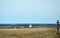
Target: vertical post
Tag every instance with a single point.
(57, 26)
(25, 26)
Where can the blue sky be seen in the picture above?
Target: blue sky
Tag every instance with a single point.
(29, 11)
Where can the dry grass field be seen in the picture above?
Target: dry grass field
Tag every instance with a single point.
(29, 33)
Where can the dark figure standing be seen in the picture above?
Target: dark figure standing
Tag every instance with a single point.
(57, 26)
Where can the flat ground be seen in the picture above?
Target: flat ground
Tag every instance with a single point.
(29, 33)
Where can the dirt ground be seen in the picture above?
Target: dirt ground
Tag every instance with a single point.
(29, 33)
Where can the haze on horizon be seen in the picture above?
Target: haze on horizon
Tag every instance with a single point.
(29, 11)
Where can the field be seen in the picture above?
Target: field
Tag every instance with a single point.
(29, 33)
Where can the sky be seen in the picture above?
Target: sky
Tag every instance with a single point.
(29, 11)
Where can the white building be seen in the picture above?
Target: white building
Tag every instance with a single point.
(30, 26)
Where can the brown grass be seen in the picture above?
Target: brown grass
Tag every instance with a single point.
(29, 33)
